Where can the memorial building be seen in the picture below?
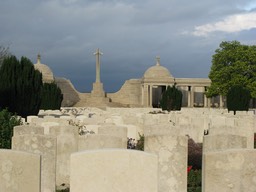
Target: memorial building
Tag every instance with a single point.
(143, 92)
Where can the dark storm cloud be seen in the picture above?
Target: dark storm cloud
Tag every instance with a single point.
(129, 33)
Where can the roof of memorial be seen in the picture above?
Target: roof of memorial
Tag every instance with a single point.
(157, 72)
(45, 70)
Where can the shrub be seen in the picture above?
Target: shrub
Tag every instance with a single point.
(238, 99)
(140, 143)
(194, 181)
(171, 99)
(7, 122)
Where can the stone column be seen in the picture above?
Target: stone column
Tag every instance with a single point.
(145, 95)
(191, 96)
(205, 101)
(150, 95)
(142, 95)
(189, 88)
(97, 53)
(221, 101)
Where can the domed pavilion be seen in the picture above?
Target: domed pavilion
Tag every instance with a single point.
(45, 70)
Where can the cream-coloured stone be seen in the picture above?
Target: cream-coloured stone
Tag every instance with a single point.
(94, 120)
(113, 171)
(223, 142)
(67, 143)
(247, 132)
(114, 130)
(96, 141)
(46, 147)
(19, 171)
(30, 118)
(47, 126)
(161, 129)
(172, 161)
(231, 170)
(27, 129)
(132, 131)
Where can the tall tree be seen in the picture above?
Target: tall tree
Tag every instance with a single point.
(51, 96)
(20, 86)
(4, 52)
(233, 64)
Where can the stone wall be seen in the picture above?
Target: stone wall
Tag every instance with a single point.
(70, 95)
(129, 94)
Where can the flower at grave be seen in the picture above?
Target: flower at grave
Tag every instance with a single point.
(189, 168)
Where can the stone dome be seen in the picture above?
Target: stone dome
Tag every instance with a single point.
(45, 70)
(157, 72)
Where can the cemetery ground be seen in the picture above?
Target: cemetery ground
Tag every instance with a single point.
(85, 149)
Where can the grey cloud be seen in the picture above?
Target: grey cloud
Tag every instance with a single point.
(129, 33)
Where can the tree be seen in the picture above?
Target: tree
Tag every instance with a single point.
(238, 99)
(20, 86)
(171, 99)
(7, 122)
(4, 52)
(233, 64)
(51, 96)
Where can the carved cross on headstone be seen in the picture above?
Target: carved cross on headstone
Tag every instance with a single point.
(98, 54)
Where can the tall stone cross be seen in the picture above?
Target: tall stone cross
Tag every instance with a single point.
(39, 58)
(157, 60)
(98, 54)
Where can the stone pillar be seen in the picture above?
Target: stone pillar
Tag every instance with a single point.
(142, 95)
(146, 95)
(205, 101)
(150, 95)
(97, 53)
(172, 151)
(189, 100)
(221, 101)
(191, 96)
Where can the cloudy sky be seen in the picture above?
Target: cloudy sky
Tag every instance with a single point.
(130, 33)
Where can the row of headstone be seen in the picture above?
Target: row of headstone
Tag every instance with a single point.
(56, 147)
(61, 146)
(192, 122)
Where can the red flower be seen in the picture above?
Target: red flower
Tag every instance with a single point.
(189, 168)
